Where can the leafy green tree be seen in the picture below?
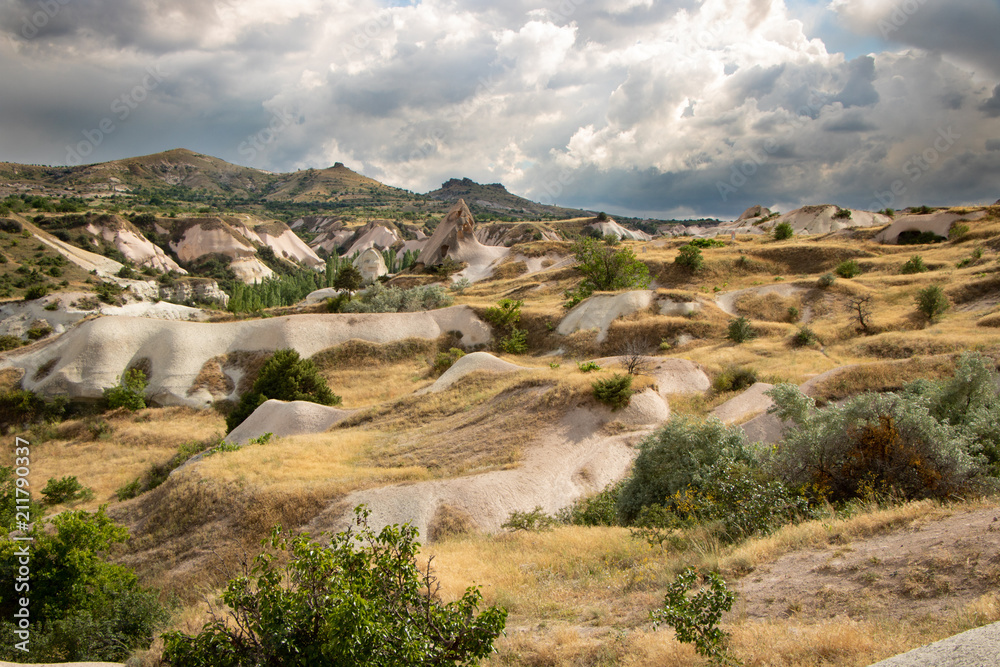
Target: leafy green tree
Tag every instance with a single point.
(696, 618)
(129, 393)
(689, 256)
(607, 268)
(348, 279)
(285, 377)
(82, 607)
(362, 600)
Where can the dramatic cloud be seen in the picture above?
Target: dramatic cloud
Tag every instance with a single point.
(660, 107)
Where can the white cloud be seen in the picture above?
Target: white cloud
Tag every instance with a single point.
(644, 105)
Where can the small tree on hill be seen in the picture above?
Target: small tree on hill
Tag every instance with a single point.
(285, 377)
(348, 279)
(861, 307)
(932, 303)
(783, 232)
(608, 268)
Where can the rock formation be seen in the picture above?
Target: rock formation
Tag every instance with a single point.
(371, 264)
(455, 238)
(611, 228)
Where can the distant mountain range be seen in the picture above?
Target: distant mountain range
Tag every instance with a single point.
(182, 175)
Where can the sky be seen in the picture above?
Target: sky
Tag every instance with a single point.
(659, 108)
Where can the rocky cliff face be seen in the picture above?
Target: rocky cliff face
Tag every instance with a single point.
(195, 290)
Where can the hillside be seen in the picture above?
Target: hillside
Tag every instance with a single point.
(457, 452)
(494, 198)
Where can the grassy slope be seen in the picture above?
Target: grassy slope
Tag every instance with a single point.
(576, 595)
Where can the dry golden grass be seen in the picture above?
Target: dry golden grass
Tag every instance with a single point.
(883, 376)
(125, 446)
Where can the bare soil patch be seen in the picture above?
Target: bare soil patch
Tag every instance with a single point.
(933, 566)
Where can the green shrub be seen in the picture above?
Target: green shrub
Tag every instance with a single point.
(783, 232)
(695, 618)
(381, 299)
(740, 331)
(446, 360)
(606, 268)
(109, 292)
(932, 302)
(129, 393)
(707, 243)
(534, 521)
(842, 214)
(361, 600)
(127, 273)
(130, 490)
(65, 490)
(588, 366)
(849, 268)
(826, 280)
(597, 510)
(516, 342)
(36, 292)
(615, 391)
(872, 441)
(734, 379)
(914, 265)
(285, 377)
(957, 232)
(677, 456)
(804, 337)
(19, 407)
(690, 258)
(8, 342)
(38, 332)
(505, 315)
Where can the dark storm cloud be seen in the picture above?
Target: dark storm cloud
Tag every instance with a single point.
(638, 106)
(991, 107)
